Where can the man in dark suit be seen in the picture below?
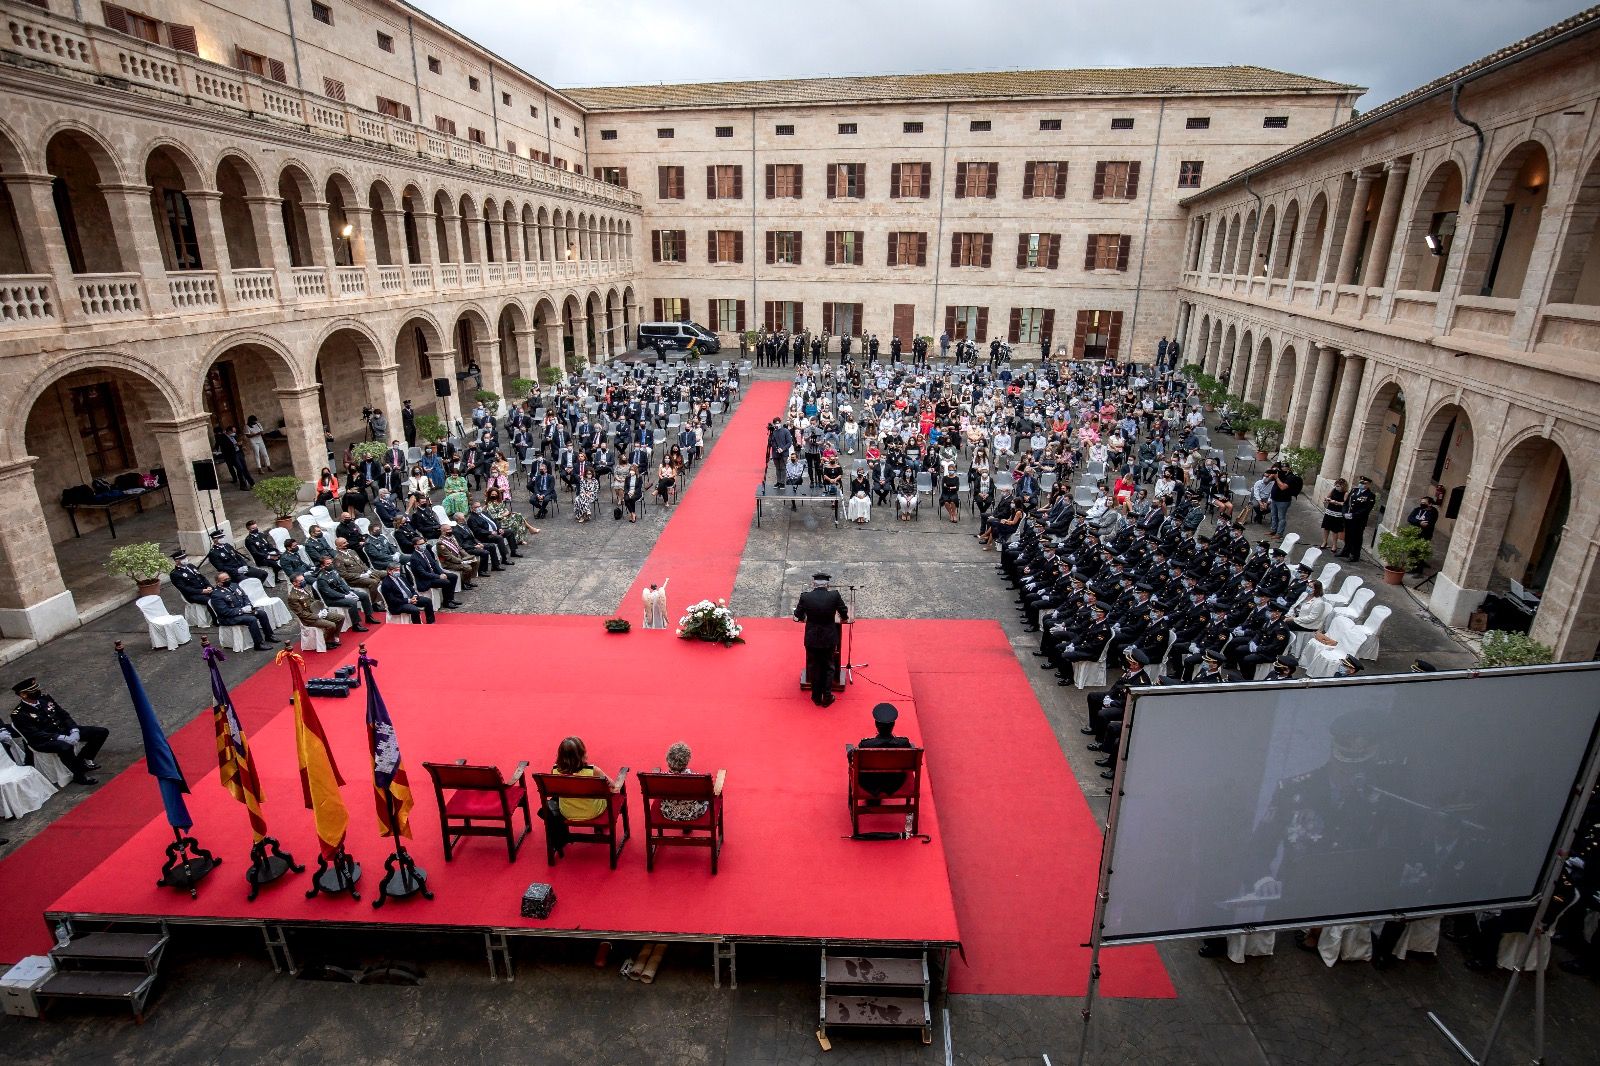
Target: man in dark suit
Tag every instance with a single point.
(401, 597)
(823, 610)
(260, 546)
(47, 727)
(229, 560)
(491, 535)
(884, 716)
(427, 573)
(541, 490)
(408, 420)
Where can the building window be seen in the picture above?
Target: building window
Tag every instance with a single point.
(671, 309)
(847, 181)
(394, 109)
(1275, 122)
(908, 249)
(667, 245)
(557, 121)
(1097, 335)
(1116, 180)
(1189, 173)
(786, 315)
(608, 135)
(784, 247)
(784, 131)
(1124, 123)
(511, 146)
(333, 89)
(979, 125)
(847, 129)
(1045, 180)
(577, 130)
(842, 319)
(322, 13)
(132, 23)
(967, 322)
(385, 42)
(976, 180)
(97, 409)
(505, 99)
(971, 249)
(1106, 251)
(844, 247)
(559, 163)
(617, 176)
(725, 246)
(727, 316)
(1030, 325)
(910, 181)
(669, 183)
(444, 125)
(724, 131)
(533, 111)
(476, 136)
(784, 181)
(725, 182)
(1197, 122)
(910, 127)
(665, 133)
(261, 66)
(1038, 251)
(1049, 124)
(434, 66)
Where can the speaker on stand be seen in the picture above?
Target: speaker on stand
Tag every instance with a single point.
(205, 480)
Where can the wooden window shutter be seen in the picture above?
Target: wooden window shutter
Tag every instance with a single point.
(1014, 329)
(622, 172)
(833, 178)
(798, 237)
(827, 317)
(660, 309)
(1114, 334)
(983, 324)
(894, 185)
(711, 250)
(994, 181)
(738, 246)
(799, 317)
(922, 249)
(1133, 180)
(661, 182)
(955, 249)
(183, 38)
(799, 176)
(116, 17)
(861, 179)
(1061, 180)
(333, 89)
(961, 182)
(1123, 243)
(711, 315)
(861, 247)
(772, 180)
(276, 71)
(772, 247)
(1028, 173)
(1022, 248)
(1089, 252)
(1079, 334)
(1050, 324)
(711, 183)
(925, 186)
(988, 248)
(894, 245)
(1100, 180)
(655, 253)
(738, 183)
(1053, 257)
(950, 322)
(828, 254)
(766, 314)
(739, 315)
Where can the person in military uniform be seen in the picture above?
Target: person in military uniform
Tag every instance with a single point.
(1108, 706)
(47, 727)
(225, 558)
(261, 547)
(884, 716)
(233, 608)
(823, 611)
(191, 584)
(312, 613)
(336, 592)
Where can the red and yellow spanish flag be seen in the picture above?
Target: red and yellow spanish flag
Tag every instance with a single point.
(237, 765)
(319, 777)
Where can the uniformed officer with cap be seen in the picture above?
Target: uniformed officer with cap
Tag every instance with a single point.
(884, 716)
(823, 611)
(46, 726)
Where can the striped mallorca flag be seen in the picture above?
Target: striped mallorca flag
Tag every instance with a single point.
(319, 777)
(388, 771)
(237, 765)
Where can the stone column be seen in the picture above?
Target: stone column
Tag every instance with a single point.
(1316, 411)
(182, 441)
(452, 251)
(555, 349)
(206, 207)
(427, 224)
(383, 392)
(137, 243)
(394, 228)
(525, 368)
(1345, 272)
(34, 601)
(1377, 264)
(488, 358)
(1339, 427)
(46, 249)
(513, 239)
(442, 364)
(302, 425)
(494, 250)
(319, 227)
(361, 243)
(272, 244)
(582, 350)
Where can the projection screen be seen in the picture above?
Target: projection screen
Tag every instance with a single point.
(1250, 806)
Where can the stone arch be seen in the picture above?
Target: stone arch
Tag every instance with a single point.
(15, 256)
(1260, 371)
(349, 361)
(1575, 278)
(1312, 237)
(14, 156)
(530, 234)
(1426, 245)
(512, 327)
(1247, 243)
(1283, 243)
(1261, 248)
(296, 190)
(245, 235)
(1506, 221)
(172, 174)
(346, 237)
(163, 396)
(413, 204)
(1279, 401)
(1381, 431)
(242, 376)
(81, 167)
(447, 238)
(510, 225)
(1230, 249)
(1230, 346)
(1244, 363)
(386, 221)
(417, 339)
(470, 328)
(470, 234)
(493, 249)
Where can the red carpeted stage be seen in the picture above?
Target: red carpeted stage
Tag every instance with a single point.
(788, 871)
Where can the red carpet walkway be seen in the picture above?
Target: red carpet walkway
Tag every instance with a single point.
(701, 546)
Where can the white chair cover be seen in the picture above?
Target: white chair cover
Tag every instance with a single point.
(1368, 648)
(168, 631)
(1346, 943)
(1347, 591)
(1329, 572)
(1288, 544)
(198, 615)
(1512, 945)
(1420, 935)
(321, 516)
(1309, 560)
(1090, 674)
(312, 639)
(1321, 659)
(277, 611)
(23, 789)
(280, 537)
(234, 638)
(1357, 604)
(1244, 945)
(50, 765)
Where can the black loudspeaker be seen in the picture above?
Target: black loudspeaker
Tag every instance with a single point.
(441, 386)
(205, 475)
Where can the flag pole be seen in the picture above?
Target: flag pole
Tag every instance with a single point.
(336, 873)
(402, 876)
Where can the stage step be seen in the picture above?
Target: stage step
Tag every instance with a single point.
(900, 996)
(889, 1011)
(847, 970)
(119, 967)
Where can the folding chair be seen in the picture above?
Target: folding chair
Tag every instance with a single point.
(603, 827)
(480, 803)
(904, 801)
(706, 831)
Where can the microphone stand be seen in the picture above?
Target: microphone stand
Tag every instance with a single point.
(849, 665)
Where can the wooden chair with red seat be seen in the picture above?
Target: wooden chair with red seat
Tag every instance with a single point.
(706, 831)
(481, 803)
(905, 800)
(601, 829)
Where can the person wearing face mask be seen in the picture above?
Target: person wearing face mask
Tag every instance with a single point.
(47, 727)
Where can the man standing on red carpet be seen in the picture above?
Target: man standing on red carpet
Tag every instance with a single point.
(823, 610)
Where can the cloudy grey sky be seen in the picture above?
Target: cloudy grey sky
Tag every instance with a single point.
(1390, 46)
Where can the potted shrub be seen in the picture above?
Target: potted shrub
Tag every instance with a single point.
(618, 625)
(1306, 462)
(431, 428)
(1402, 551)
(145, 563)
(550, 375)
(487, 398)
(1501, 648)
(1267, 435)
(752, 337)
(279, 495)
(523, 387)
(370, 449)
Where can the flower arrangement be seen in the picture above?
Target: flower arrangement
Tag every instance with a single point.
(711, 622)
(618, 625)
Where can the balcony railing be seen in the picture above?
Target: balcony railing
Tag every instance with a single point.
(103, 296)
(126, 61)
(352, 280)
(310, 283)
(28, 300)
(194, 290)
(254, 287)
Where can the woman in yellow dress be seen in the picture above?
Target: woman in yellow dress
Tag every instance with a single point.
(572, 760)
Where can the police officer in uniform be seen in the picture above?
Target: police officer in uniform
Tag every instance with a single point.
(884, 716)
(46, 726)
(823, 610)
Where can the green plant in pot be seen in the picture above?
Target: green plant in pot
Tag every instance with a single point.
(431, 428)
(1267, 435)
(523, 387)
(550, 375)
(618, 625)
(1306, 462)
(370, 449)
(486, 397)
(145, 563)
(1402, 551)
(1501, 648)
(280, 494)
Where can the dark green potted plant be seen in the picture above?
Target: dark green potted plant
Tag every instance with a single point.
(1402, 551)
(550, 375)
(1267, 435)
(431, 428)
(486, 397)
(618, 625)
(279, 495)
(1306, 462)
(523, 387)
(1501, 648)
(370, 449)
(144, 562)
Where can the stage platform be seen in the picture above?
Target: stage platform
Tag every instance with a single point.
(501, 689)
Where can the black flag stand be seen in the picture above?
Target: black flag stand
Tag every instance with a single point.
(402, 876)
(268, 862)
(187, 864)
(336, 875)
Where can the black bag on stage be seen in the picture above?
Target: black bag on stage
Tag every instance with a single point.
(616, 514)
(538, 900)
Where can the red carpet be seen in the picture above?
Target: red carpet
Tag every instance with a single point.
(1023, 867)
(787, 869)
(701, 546)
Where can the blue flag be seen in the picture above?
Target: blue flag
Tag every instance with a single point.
(158, 755)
